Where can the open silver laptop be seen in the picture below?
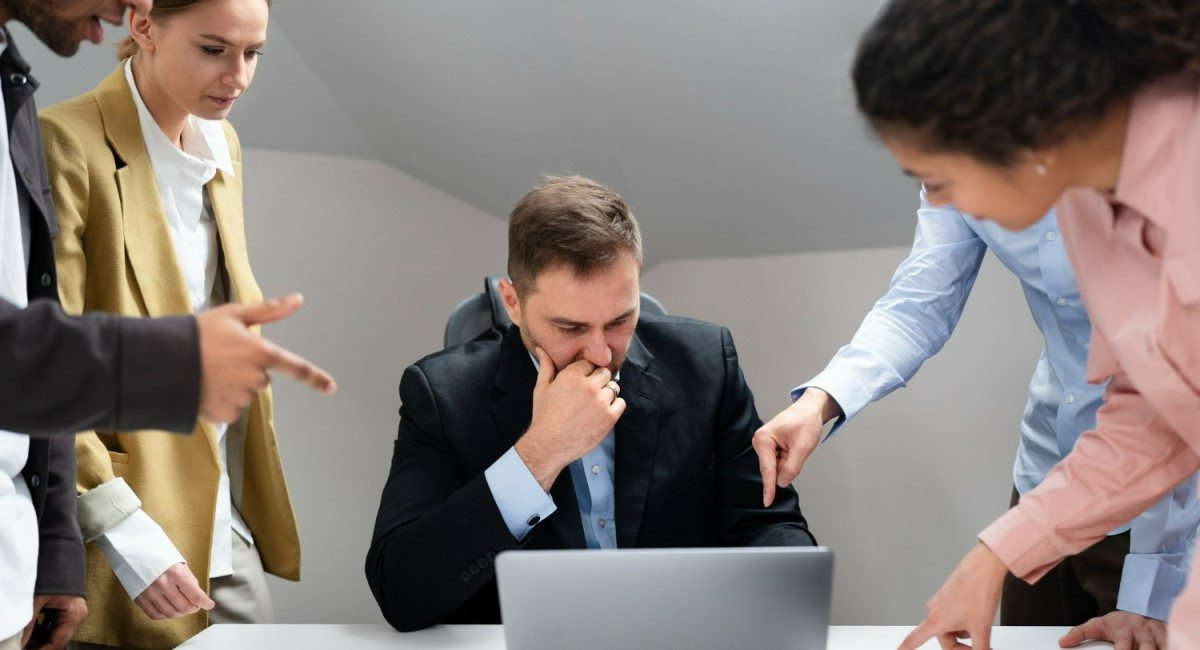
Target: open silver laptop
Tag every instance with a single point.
(699, 599)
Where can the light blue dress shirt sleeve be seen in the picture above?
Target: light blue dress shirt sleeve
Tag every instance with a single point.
(916, 317)
(913, 320)
(521, 500)
(1162, 541)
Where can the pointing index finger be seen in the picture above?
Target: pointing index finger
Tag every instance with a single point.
(767, 462)
(302, 370)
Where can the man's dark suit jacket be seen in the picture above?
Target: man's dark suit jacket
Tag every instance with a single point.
(59, 374)
(685, 473)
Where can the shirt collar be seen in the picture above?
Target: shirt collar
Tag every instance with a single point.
(205, 148)
(1153, 147)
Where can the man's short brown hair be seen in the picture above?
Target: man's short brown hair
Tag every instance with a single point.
(572, 221)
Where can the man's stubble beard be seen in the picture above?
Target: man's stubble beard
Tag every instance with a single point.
(39, 17)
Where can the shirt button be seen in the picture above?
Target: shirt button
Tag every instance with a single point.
(47, 280)
(533, 521)
(1061, 301)
(1070, 399)
(602, 522)
(1087, 346)
(1051, 235)
(35, 480)
(595, 469)
(17, 79)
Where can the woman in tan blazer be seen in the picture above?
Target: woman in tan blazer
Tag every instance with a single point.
(147, 180)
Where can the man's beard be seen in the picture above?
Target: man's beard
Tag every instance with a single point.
(531, 344)
(39, 17)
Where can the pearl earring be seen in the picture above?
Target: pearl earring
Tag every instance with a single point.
(1040, 169)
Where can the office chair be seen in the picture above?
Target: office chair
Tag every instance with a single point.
(482, 311)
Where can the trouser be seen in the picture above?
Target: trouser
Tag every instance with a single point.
(240, 598)
(1081, 587)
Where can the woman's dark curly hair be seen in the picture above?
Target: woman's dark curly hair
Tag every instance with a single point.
(994, 78)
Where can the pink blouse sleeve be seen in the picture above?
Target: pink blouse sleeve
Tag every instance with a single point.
(1114, 472)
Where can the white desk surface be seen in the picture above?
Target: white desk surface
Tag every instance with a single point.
(491, 637)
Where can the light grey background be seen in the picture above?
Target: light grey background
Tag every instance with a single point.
(387, 139)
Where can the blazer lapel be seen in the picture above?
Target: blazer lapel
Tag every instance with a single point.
(637, 441)
(148, 242)
(512, 408)
(225, 195)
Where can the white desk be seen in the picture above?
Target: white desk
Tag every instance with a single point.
(491, 637)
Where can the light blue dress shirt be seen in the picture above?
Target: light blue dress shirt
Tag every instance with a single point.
(523, 503)
(916, 317)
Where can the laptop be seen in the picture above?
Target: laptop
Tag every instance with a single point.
(699, 599)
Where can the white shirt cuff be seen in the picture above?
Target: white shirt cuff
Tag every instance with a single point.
(139, 551)
(521, 500)
(845, 389)
(104, 506)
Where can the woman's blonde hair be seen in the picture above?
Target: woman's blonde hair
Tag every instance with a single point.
(162, 9)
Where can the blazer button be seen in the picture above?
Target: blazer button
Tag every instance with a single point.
(17, 79)
(491, 556)
(474, 569)
(464, 576)
(47, 280)
(35, 481)
(482, 563)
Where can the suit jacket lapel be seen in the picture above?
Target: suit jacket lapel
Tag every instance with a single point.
(225, 195)
(148, 242)
(512, 408)
(637, 441)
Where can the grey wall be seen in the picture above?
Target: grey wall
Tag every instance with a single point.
(727, 120)
(902, 490)
(381, 259)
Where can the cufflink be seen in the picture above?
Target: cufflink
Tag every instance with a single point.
(533, 521)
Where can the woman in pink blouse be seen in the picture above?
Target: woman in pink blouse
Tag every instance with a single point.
(1006, 108)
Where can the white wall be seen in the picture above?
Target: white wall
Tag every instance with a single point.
(900, 493)
(381, 259)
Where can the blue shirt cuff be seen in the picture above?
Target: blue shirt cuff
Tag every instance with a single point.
(1150, 583)
(522, 502)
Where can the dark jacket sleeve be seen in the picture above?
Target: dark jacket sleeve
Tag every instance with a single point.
(743, 521)
(60, 547)
(60, 374)
(438, 530)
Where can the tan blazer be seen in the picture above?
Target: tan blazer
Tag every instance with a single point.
(115, 254)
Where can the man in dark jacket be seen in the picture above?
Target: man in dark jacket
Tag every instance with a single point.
(582, 425)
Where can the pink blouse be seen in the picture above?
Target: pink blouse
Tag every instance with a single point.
(1136, 255)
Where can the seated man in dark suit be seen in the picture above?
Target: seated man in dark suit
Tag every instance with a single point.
(581, 425)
